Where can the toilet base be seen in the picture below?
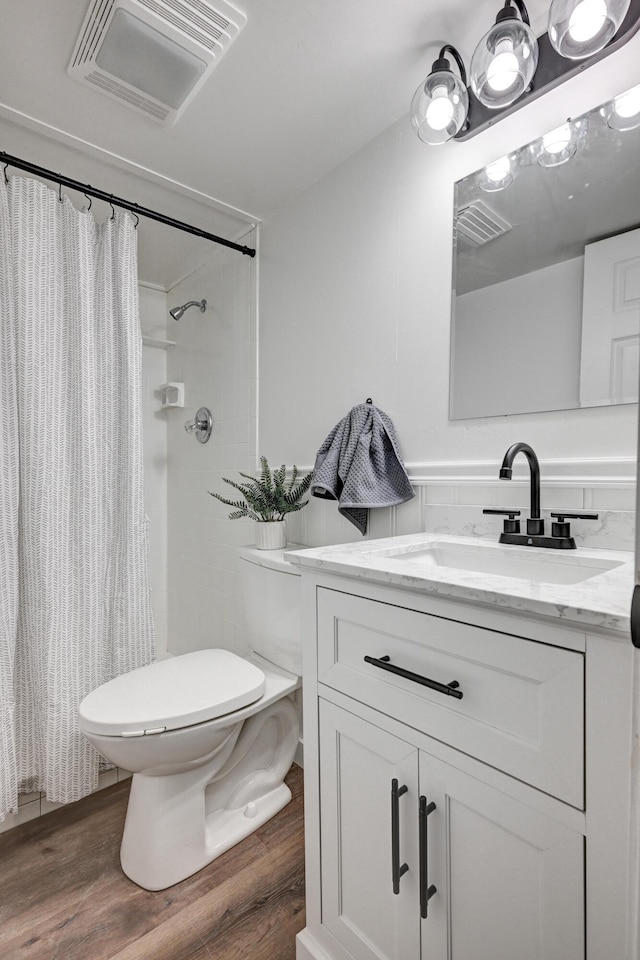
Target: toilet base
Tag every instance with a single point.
(179, 823)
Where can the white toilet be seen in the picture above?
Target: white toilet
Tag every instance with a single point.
(209, 736)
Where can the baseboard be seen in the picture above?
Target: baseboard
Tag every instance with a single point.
(308, 948)
(299, 754)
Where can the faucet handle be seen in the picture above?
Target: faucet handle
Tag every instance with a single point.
(511, 525)
(561, 528)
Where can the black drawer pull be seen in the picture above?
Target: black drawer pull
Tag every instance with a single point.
(396, 870)
(426, 891)
(450, 689)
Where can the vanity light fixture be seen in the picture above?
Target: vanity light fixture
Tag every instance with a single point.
(505, 60)
(580, 28)
(497, 175)
(510, 66)
(440, 104)
(623, 113)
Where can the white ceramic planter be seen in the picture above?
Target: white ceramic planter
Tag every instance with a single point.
(270, 534)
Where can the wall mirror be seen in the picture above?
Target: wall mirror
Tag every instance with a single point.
(546, 273)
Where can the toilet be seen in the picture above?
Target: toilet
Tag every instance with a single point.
(209, 736)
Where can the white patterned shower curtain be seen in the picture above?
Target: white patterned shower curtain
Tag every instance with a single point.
(75, 605)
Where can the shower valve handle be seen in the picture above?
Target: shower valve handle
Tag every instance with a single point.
(201, 426)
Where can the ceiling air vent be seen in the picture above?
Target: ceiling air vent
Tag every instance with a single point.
(479, 223)
(153, 55)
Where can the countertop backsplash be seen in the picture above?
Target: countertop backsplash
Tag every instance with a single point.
(450, 497)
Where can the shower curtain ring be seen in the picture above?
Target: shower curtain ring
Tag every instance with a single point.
(137, 220)
(60, 192)
(113, 212)
(90, 199)
(6, 178)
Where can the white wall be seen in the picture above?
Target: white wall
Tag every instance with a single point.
(215, 358)
(355, 298)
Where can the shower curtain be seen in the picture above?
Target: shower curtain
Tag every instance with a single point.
(75, 605)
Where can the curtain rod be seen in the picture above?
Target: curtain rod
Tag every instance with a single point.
(90, 191)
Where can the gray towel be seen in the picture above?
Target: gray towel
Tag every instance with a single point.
(359, 465)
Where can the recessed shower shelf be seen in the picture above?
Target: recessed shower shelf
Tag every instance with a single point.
(156, 342)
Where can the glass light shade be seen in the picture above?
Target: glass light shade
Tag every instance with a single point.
(558, 146)
(503, 63)
(439, 107)
(580, 28)
(623, 113)
(497, 175)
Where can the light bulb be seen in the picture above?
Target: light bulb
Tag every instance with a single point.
(504, 62)
(557, 140)
(440, 104)
(623, 113)
(559, 145)
(498, 170)
(440, 111)
(628, 104)
(587, 20)
(496, 176)
(580, 28)
(503, 69)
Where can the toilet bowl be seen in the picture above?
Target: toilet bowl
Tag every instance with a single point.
(209, 736)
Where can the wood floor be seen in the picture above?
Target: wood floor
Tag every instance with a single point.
(64, 897)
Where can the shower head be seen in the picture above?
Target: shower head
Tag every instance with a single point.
(177, 312)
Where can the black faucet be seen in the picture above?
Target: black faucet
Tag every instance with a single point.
(560, 538)
(535, 524)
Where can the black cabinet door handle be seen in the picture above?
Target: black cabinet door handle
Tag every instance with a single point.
(426, 891)
(449, 689)
(396, 870)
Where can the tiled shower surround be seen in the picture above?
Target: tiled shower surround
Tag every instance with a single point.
(215, 357)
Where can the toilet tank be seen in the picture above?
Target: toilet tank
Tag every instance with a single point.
(271, 602)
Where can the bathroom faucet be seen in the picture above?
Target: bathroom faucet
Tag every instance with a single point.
(535, 524)
(560, 538)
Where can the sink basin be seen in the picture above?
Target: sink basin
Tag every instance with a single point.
(496, 560)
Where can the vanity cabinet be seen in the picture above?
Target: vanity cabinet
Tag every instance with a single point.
(505, 879)
(488, 826)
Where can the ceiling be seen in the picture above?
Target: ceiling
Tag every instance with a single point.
(304, 86)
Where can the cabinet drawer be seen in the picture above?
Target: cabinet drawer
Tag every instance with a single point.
(522, 705)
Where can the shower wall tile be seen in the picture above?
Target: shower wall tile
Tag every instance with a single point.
(215, 358)
(153, 318)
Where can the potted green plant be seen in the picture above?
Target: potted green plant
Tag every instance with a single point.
(267, 500)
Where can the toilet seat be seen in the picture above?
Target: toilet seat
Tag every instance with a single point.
(179, 692)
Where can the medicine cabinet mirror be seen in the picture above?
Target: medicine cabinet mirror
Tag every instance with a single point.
(546, 275)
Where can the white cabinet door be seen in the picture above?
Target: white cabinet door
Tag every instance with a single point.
(510, 881)
(358, 762)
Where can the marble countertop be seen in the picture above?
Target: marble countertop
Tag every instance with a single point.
(603, 601)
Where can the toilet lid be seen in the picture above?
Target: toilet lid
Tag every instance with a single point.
(173, 693)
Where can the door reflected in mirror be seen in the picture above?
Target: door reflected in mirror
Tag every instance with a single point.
(546, 299)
